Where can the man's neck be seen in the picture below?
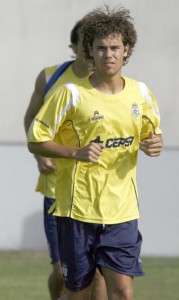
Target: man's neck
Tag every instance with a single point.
(80, 69)
(108, 85)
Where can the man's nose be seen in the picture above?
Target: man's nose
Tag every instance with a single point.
(108, 52)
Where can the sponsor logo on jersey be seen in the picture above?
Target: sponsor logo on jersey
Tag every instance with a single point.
(96, 116)
(135, 110)
(115, 142)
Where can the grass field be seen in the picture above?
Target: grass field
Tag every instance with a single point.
(23, 276)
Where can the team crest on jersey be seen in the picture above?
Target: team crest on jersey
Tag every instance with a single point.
(96, 116)
(135, 110)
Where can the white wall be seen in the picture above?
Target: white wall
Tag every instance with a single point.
(21, 217)
(159, 205)
(35, 34)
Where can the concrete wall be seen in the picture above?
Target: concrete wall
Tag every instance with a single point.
(35, 34)
(21, 218)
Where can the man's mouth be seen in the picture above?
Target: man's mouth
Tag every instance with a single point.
(108, 63)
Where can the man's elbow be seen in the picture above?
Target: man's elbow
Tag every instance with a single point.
(32, 148)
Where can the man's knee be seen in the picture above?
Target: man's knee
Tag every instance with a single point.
(126, 293)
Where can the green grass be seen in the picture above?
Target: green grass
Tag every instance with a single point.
(23, 276)
(161, 281)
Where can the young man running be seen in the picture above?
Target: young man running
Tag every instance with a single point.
(95, 128)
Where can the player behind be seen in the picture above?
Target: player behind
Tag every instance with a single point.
(76, 69)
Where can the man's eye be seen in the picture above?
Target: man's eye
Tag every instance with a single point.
(116, 48)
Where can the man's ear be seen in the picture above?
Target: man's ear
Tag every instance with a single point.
(126, 50)
(90, 51)
(73, 47)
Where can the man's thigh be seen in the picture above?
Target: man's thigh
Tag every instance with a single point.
(119, 286)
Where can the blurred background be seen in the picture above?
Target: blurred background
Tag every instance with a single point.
(35, 34)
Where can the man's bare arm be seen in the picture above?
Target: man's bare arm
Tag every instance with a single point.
(90, 153)
(45, 165)
(36, 100)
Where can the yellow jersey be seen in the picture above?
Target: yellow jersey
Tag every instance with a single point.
(46, 183)
(77, 114)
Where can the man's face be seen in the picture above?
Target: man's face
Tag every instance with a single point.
(78, 48)
(108, 54)
(79, 52)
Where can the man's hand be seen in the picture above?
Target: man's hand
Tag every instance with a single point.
(152, 146)
(90, 153)
(45, 165)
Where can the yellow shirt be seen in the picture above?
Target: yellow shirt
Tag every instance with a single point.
(77, 114)
(46, 183)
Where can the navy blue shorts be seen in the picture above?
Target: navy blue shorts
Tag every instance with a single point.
(84, 246)
(51, 231)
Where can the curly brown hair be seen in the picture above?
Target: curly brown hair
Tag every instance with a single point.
(103, 22)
